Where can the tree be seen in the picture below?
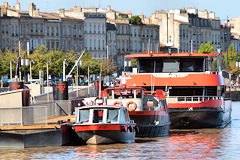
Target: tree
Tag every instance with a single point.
(5, 62)
(123, 16)
(135, 20)
(88, 61)
(134, 63)
(206, 48)
(108, 67)
(229, 59)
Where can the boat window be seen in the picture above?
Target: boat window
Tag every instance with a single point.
(171, 65)
(127, 93)
(191, 65)
(126, 115)
(83, 115)
(147, 66)
(98, 116)
(112, 115)
(139, 93)
(109, 94)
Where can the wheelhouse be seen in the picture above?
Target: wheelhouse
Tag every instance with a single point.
(102, 115)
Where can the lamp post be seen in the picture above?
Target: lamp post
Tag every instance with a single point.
(64, 76)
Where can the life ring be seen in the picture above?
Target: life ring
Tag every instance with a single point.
(117, 103)
(131, 106)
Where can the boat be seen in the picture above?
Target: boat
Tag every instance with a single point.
(148, 110)
(104, 124)
(198, 96)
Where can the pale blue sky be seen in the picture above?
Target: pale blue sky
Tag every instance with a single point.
(222, 8)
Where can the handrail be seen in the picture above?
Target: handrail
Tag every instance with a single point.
(195, 98)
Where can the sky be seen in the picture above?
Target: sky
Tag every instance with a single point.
(223, 8)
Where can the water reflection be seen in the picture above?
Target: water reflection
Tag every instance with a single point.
(181, 144)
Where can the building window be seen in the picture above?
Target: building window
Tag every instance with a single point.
(41, 27)
(31, 27)
(94, 28)
(80, 46)
(12, 30)
(75, 46)
(122, 45)
(57, 31)
(74, 32)
(68, 31)
(79, 32)
(63, 30)
(103, 31)
(103, 44)
(69, 44)
(63, 44)
(36, 29)
(95, 47)
(52, 45)
(52, 31)
(26, 29)
(57, 45)
(85, 44)
(41, 42)
(16, 29)
(90, 44)
(6, 29)
(99, 44)
(90, 28)
(47, 31)
(3, 29)
(48, 44)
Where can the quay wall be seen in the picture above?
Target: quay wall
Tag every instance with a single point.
(11, 99)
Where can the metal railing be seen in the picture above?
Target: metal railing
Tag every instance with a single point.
(30, 115)
(56, 108)
(192, 99)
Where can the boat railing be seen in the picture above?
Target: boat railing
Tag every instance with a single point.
(191, 99)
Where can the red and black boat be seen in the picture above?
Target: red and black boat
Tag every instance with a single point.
(148, 110)
(197, 93)
(104, 124)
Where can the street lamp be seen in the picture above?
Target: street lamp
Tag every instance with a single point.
(64, 76)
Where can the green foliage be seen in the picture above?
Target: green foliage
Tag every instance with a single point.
(40, 57)
(5, 62)
(135, 20)
(108, 67)
(123, 16)
(134, 63)
(229, 59)
(231, 55)
(94, 64)
(206, 48)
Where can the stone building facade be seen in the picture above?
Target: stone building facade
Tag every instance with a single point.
(53, 30)
(187, 29)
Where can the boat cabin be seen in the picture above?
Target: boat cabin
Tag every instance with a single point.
(185, 77)
(135, 98)
(102, 115)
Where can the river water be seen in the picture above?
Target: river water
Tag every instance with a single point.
(222, 144)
